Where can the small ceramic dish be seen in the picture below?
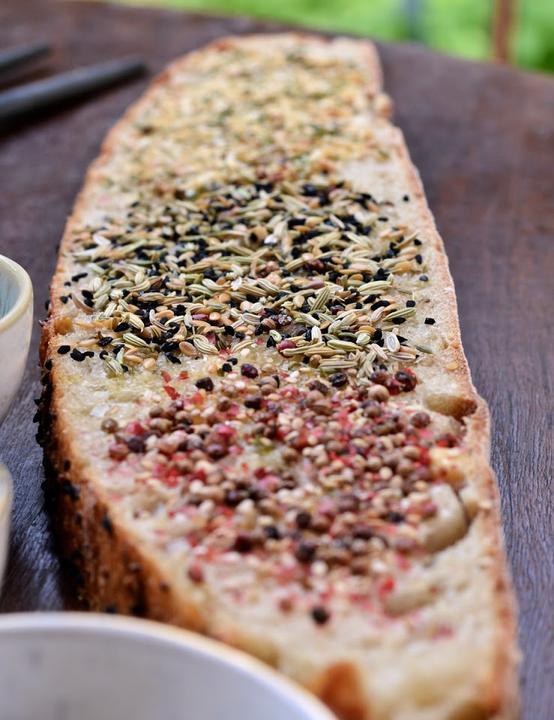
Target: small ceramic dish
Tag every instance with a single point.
(85, 666)
(16, 318)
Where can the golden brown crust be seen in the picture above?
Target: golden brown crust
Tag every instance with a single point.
(117, 573)
(339, 687)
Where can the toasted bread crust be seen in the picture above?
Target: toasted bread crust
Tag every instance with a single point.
(118, 574)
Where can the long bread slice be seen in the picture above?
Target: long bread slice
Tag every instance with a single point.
(258, 411)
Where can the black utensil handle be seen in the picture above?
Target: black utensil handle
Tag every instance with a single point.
(13, 57)
(45, 93)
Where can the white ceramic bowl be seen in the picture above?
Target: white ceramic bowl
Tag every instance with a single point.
(85, 666)
(16, 319)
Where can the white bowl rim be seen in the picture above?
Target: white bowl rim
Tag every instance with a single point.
(139, 628)
(25, 292)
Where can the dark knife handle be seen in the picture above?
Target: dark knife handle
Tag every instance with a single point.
(14, 57)
(75, 83)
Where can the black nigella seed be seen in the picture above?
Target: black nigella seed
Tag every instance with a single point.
(172, 358)
(271, 342)
(122, 327)
(406, 198)
(338, 379)
(79, 276)
(272, 532)
(64, 299)
(48, 364)
(398, 320)
(424, 278)
(418, 259)
(320, 614)
(410, 303)
(205, 383)
(103, 354)
(381, 274)
(417, 242)
(64, 349)
(233, 360)
(105, 341)
(429, 321)
(226, 367)
(87, 294)
(77, 355)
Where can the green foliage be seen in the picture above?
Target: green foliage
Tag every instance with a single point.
(458, 27)
(535, 41)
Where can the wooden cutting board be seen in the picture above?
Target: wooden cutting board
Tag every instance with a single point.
(483, 140)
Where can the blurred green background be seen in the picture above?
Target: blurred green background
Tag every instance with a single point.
(458, 27)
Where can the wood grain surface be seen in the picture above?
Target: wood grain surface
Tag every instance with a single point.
(483, 139)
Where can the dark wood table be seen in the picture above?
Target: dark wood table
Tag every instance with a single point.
(483, 139)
